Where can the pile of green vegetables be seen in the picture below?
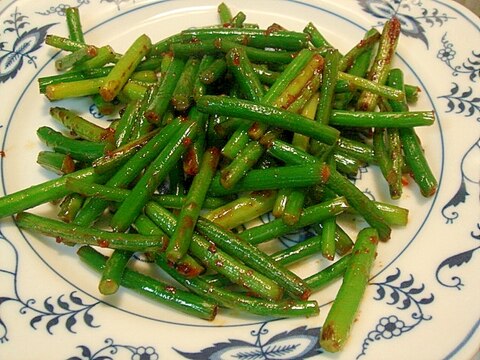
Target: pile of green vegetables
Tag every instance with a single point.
(216, 126)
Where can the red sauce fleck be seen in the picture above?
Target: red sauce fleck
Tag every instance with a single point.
(171, 289)
(273, 28)
(187, 270)
(254, 128)
(152, 116)
(325, 173)
(306, 294)
(103, 243)
(59, 239)
(245, 40)
(405, 181)
(187, 142)
(236, 59)
(218, 43)
(190, 163)
(214, 151)
(212, 248)
(108, 134)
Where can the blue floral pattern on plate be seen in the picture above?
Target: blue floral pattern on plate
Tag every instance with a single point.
(404, 303)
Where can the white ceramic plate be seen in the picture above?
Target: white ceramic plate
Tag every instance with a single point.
(423, 301)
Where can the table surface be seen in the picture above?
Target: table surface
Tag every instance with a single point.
(473, 5)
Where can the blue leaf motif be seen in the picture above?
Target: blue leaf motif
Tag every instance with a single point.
(406, 303)
(88, 319)
(4, 299)
(414, 291)
(300, 343)
(31, 40)
(35, 320)
(23, 46)
(393, 277)
(9, 66)
(378, 8)
(395, 297)
(459, 197)
(63, 304)
(381, 293)
(457, 260)
(48, 306)
(428, 300)
(412, 27)
(76, 299)
(71, 321)
(407, 283)
(51, 323)
(86, 351)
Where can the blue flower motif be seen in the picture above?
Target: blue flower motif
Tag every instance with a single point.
(410, 13)
(390, 326)
(446, 54)
(24, 45)
(145, 353)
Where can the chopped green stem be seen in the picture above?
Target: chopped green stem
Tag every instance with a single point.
(366, 44)
(414, 155)
(267, 114)
(78, 149)
(340, 318)
(89, 236)
(63, 43)
(216, 259)
(187, 218)
(238, 301)
(224, 14)
(375, 88)
(59, 163)
(243, 209)
(161, 101)
(213, 72)
(124, 67)
(77, 57)
(80, 126)
(331, 273)
(165, 294)
(199, 88)
(274, 178)
(254, 257)
(382, 119)
(328, 238)
(381, 65)
(93, 208)
(70, 206)
(105, 55)
(241, 164)
(182, 95)
(74, 24)
(187, 266)
(113, 272)
(293, 206)
(71, 89)
(360, 202)
(156, 172)
(317, 39)
(114, 159)
(310, 215)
